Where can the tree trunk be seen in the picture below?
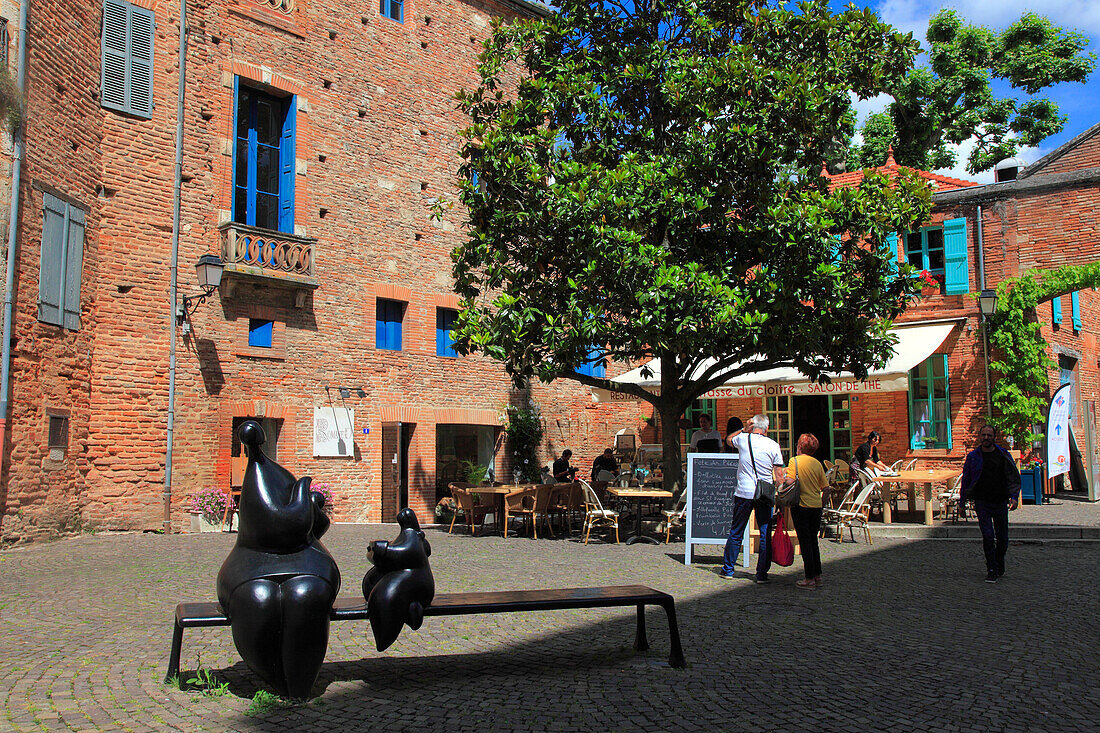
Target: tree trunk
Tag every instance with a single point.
(674, 479)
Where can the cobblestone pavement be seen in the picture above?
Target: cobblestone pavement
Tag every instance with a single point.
(905, 635)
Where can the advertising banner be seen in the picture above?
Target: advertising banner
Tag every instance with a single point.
(1058, 431)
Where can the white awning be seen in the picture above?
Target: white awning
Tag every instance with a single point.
(915, 344)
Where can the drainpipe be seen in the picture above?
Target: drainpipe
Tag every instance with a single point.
(177, 184)
(13, 226)
(985, 330)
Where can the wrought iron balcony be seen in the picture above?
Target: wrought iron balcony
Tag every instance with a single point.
(276, 258)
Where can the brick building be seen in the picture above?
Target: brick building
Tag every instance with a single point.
(977, 237)
(316, 137)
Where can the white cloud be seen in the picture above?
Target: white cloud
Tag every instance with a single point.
(866, 107)
(962, 152)
(912, 15)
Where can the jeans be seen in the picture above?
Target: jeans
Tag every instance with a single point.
(742, 510)
(807, 523)
(993, 521)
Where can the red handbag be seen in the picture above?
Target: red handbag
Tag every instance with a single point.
(782, 547)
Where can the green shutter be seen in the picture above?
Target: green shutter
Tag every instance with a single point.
(956, 259)
(1075, 310)
(142, 26)
(50, 276)
(114, 47)
(1056, 310)
(74, 261)
(947, 395)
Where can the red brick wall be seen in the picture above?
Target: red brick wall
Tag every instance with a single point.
(1084, 155)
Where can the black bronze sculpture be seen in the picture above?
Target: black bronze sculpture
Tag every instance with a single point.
(400, 585)
(279, 582)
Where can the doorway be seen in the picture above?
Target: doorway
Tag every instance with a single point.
(810, 414)
(238, 461)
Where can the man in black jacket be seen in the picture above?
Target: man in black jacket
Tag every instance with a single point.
(990, 478)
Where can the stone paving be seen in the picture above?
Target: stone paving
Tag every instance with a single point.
(905, 635)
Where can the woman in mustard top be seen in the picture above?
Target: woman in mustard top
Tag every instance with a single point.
(807, 513)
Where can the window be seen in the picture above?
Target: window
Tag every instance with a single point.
(263, 160)
(444, 325)
(388, 329)
(595, 366)
(61, 262)
(59, 433)
(929, 407)
(126, 78)
(260, 332)
(943, 251)
(392, 9)
(924, 250)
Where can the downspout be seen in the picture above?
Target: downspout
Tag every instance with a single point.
(985, 329)
(17, 146)
(172, 294)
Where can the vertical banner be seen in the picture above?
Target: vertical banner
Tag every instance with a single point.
(1058, 431)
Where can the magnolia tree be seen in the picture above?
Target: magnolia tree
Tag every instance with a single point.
(643, 181)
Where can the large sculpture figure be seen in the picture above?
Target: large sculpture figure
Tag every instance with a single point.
(279, 582)
(400, 585)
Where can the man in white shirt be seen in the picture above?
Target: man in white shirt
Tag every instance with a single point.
(761, 459)
(705, 439)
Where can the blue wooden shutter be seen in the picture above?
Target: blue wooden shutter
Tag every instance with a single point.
(1075, 310)
(287, 166)
(140, 72)
(444, 327)
(394, 326)
(115, 54)
(74, 262)
(947, 393)
(892, 247)
(1056, 310)
(51, 279)
(955, 256)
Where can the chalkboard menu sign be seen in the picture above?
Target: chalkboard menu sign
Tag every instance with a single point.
(711, 481)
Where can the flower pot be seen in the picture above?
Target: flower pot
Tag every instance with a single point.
(199, 524)
(1031, 485)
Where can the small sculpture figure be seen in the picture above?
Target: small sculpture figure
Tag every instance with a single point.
(279, 582)
(400, 585)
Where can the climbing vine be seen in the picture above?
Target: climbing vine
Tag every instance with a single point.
(523, 428)
(1020, 359)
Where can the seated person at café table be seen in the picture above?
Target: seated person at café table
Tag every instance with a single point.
(563, 472)
(605, 462)
(866, 456)
(706, 439)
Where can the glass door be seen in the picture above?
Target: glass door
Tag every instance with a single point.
(778, 411)
(840, 418)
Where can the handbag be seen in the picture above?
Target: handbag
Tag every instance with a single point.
(789, 494)
(765, 490)
(782, 547)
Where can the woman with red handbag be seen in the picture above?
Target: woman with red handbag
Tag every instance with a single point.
(806, 513)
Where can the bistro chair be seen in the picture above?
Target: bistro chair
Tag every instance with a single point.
(563, 503)
(949, 500)
(857, 512)
(675, 517)
(896, 465)
(828, 513)
(473, 511)
(532, 502)
(594, 513)
(912, 464)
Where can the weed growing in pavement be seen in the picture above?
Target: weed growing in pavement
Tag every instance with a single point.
(263, 702)
(203, 681)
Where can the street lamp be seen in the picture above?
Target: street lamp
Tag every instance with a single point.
(209, 269)
(987, 302)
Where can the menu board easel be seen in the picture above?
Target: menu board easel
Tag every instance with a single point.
(711, 481)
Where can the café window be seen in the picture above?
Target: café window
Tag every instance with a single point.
(263, 160)
(929, 406)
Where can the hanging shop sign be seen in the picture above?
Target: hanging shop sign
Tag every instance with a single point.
(333, 431)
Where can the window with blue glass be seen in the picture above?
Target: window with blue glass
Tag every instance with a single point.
(924, 250)
(444, 326)
(929, 405)
(388, 331)
(596, 364)
(263, 160)
(394, 9)
(260, 332)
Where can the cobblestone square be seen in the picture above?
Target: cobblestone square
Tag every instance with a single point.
(905, 635)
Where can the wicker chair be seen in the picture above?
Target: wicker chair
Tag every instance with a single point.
(534, 503)
(473, 511)
(594, 513)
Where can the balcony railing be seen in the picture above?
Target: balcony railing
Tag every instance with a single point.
(275, 257)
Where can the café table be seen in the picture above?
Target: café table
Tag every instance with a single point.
(923, 479)
(499, 513)
(638, 495)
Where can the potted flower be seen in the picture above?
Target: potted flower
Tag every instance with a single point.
(1031, 480)
(325, 490)
(929, 283)
(207, 508)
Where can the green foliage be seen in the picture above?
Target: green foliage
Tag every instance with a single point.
(951, 99)
(649, 182)
(264, 702)
(205, 682)
(473, 473)
(523, 430)
(1020, 391)
(11, 100)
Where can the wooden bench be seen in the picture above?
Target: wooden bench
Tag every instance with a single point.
(199, 615)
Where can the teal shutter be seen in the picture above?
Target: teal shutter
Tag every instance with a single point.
(142, 25)
(892, 248)
(836, 240)
(115, 54)
(286, 172)
(1056, 310)
(74, 262)
(1075, 310)
(51, 266)
(947, 394)
(956, 258)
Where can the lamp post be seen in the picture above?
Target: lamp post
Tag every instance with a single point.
(987, 305)
(209, 269)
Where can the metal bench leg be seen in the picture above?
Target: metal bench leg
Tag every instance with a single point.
(640, 641)
(676, 652)
(174, 658)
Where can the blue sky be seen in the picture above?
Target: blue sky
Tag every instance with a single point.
(1079, 102)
